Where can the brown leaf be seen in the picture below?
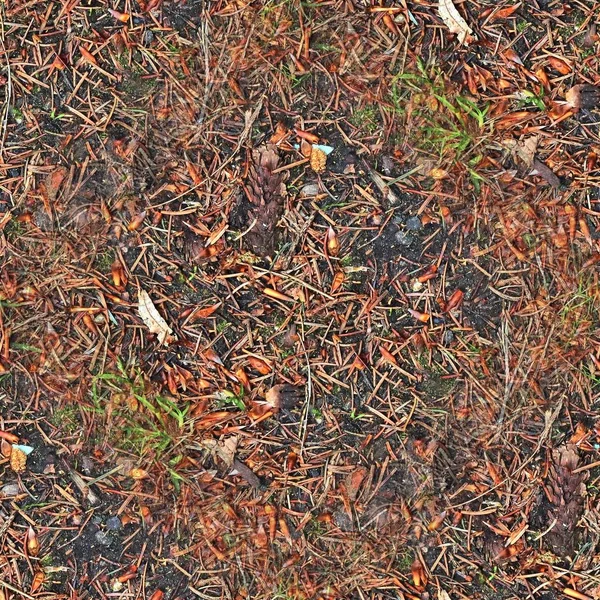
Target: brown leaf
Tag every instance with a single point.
(546, 172)
(559, 65)
(388, 356)
(123, 17)
(354, 481)
(224, 449)
(283, 396)
(337, 282)
(246, 473)
(419, 575)
(591, 37)
(455, 300)
(423, 317)
(504, 13)
(584, 96)
(277, 295)
(54, 181)
(88, 56)
(259, 365)
(204, 313)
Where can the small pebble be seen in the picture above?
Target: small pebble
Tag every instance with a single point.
(87, 465)
(448, 337)
(113, 524)
(309, 190)
(387, 165)
(404, 238)
(103, 538)
(9, 490)
(414, 224)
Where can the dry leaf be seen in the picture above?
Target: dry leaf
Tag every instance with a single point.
(524, 149)
(37, 581)
(283, 396)
(225, 449)
(542, 169)
(584, 96)
(152, 318)
(138, 474)
(453, 20)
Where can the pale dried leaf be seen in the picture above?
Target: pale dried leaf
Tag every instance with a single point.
(225, 449)
(152, 318)
(525, 149)
(453, 20)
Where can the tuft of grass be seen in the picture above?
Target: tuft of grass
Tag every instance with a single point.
(442, 121)
(581, 309)
(140, 420)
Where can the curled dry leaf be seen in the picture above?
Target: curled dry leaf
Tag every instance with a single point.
(454, 20)
(138, 474)
(123, 17)
(37, 581)
(525, 149)
(224, 449)
(283, 396)
(542, 169)
(584, 96)
(419, 575)
(152, 318)
(354, 481)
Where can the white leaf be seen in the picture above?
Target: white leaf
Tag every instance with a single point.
(327, 150)
(453, 20)
(152, 318)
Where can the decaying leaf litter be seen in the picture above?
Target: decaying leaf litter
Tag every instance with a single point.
(239, 364)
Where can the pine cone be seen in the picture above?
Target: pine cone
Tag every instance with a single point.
(265, 191)
(567, 501)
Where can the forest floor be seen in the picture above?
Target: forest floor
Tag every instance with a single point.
(299, 299)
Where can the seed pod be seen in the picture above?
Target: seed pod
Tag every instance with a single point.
(18, 460)
(32, 543)
(318, 160)
(332, 243)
